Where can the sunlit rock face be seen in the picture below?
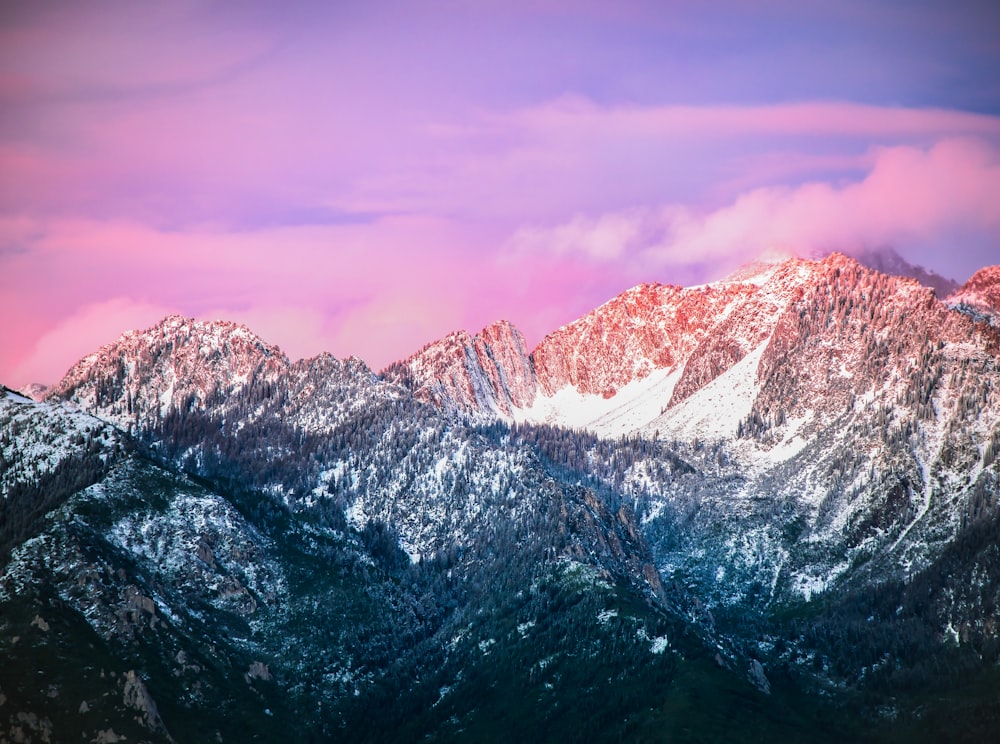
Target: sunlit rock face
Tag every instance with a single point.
(489, 372)
(654, 346)
(980, 296)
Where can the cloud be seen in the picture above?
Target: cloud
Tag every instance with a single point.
(912, 197)
(572, 154)
(267, 148)
(575, 116)
(383, 289)
(603, 238)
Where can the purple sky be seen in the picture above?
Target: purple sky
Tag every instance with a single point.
(362, 178)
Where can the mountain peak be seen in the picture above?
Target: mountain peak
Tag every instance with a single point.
(980, 296)
(651, 340)
(145, 373)
(488, 372)
(986, 281)
(886, 260)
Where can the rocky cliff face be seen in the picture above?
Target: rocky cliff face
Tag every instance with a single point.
(490, 372)
(650, 327)
(868, 413)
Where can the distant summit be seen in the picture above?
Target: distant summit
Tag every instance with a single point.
(883, 259)
(888, 261)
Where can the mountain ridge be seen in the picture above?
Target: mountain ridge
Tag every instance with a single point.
(716, 483)
(648, 328)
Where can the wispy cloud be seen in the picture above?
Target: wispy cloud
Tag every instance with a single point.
(573, 115)
(912, 197)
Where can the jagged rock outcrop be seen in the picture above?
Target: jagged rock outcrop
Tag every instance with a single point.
(136, 695)
(646, 328)
(489, 372)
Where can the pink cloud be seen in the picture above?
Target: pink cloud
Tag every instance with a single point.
(218, 155)
(573, 116)
(572, 154)
(357, 181)
(910, 196)
(381, 290)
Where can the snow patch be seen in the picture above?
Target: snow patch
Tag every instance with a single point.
(714, 411)
(632, 407)
(604, 616)
(808, 585)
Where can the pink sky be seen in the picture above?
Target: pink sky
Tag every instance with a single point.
(362, 180)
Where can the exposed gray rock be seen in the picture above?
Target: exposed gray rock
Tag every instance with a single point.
(758, 678)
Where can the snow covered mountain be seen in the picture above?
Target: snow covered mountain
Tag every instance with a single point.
(642, 354)
(260, 543)
(180, 363)
(852, 417)
(687, 490)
